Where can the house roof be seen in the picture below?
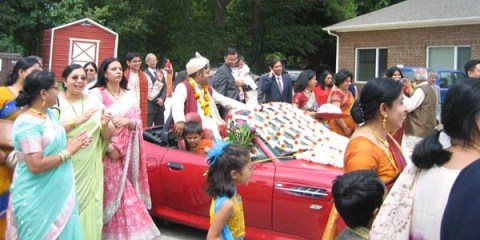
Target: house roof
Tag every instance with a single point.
(414, 14)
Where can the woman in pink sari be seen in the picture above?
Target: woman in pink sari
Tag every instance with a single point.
(126, 190)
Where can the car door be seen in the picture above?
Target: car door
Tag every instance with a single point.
(183, 181)
(302, 198)
(257, 196)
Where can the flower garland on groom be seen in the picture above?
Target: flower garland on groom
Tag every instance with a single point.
(196, 95)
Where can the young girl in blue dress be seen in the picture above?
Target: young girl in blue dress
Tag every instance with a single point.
(229, 165)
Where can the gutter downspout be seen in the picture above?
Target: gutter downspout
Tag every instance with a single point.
(337, 54)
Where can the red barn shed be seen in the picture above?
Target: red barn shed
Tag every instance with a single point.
(79, 42)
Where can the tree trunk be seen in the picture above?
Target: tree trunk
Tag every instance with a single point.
(257, 37)
(220, 13)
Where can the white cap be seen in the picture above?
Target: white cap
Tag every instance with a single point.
(197, 63)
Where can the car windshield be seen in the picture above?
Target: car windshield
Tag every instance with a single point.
(289, 131)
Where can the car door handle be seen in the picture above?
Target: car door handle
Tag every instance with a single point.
(176, 166)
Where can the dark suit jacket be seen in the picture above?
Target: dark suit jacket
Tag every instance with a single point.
(224, 83)
(153, 107)
(272, 92)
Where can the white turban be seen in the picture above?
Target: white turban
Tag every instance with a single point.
(197, 63)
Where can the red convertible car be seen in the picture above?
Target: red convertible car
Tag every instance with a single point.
(289, 194)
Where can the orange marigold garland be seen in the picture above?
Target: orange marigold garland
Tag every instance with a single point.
(205, 104)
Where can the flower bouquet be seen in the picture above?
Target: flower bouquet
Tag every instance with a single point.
(243, 135)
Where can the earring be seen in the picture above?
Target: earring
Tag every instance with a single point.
(43, 104)
(384, 121)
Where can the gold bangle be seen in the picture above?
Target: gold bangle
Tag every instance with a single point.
(72, 124)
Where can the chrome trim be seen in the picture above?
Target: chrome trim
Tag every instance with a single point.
(307, 191)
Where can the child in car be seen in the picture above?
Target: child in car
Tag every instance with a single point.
(192, 133)
(358, 196)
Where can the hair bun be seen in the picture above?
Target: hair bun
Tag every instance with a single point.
(22, 99)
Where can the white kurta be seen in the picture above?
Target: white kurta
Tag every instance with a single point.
(178, 107)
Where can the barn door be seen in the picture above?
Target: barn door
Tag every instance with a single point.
(83, 51)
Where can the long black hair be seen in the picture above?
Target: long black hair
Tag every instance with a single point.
(460, 113)
(219, 178)
(102, 80)
(303, 79)
(22, 64)
(321, 79)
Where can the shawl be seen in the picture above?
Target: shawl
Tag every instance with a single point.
(143, 81)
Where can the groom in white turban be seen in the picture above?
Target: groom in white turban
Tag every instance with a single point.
(196, 95)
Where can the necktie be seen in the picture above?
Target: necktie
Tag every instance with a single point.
(155, 74)
(280, 84)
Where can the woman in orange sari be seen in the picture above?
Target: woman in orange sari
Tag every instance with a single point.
(342, 98)
(9, 111)
(381, 109)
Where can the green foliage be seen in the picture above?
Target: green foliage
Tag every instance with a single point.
(259, 29)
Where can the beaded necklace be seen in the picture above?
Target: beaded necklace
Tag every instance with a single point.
(205, 102)
(71, 104)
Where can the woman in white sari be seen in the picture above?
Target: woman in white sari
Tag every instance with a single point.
(126, 189)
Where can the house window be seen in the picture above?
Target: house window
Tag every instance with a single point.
(371, 63)
(453, 57)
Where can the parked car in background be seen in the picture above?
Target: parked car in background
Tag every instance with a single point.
(289, 194)
(293, 71)
(445, 77)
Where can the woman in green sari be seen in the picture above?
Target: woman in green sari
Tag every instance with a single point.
(80, 112)
(43, 203)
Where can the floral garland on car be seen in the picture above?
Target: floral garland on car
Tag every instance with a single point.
(291, 130)
(205, 104)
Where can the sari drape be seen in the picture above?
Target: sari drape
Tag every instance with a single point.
(42, 206)
(362, 154)
(126, 189)
(87, 164)
(8, 111)
(346, 103)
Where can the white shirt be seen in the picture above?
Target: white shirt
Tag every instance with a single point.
(178, 107)
(416, 99)
(153, 89)
(134, 84)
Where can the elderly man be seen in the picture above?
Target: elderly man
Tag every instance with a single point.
(421, 107)
(156, 91)
(432, 78)
(195, 95)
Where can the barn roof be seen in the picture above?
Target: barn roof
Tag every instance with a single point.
(86, 21)
(413, 14)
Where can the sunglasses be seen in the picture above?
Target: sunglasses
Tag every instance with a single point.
(90, 70)
(77, 77)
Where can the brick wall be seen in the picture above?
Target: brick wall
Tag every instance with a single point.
(408, 46)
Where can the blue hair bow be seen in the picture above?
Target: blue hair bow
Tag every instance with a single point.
(216, 151)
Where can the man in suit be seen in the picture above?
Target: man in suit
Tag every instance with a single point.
(224, 82)
(276, 86)
(156, 91)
